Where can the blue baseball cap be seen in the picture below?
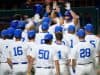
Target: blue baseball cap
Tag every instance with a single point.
(14, 24)
(71, 28)
(46, 19)
(31, 34)
(10, 31)
(89, 27)
(67, 13)
(81, 33)
(45, 26)
(18, 33)
(21, 24)
(38, 8)
(58, 29)
(4, 33)
(48, 36)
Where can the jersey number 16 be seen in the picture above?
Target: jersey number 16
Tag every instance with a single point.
(18, 51)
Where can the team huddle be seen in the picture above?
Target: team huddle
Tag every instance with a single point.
(59, 49)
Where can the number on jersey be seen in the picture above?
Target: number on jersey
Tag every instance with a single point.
(18, 51)
(71, 43)
(85, 52)
(23, 39)
(43, 54)
(92, 42)
(42, 41)
(59, 54)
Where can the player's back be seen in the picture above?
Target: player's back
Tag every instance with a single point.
(84, 53)
(18, 51)
(3, 49)
(40, 38)
(66, 25)
(93, 40)
(44, 55)
(72, 39)
(62, 52)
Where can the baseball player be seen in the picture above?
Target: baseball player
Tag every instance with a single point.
(71, 18)
(93, 40)
(30, 43)
(31, 36)
(63, 52)
(44, 56)
(71, 37)
(45, 19)
(61, 37)
(28, 26)
(72, 40)
(83, 55)
(40, 36)
(4, 67)
(17, 54)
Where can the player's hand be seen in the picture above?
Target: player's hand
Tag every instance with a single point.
(57, 9)
(54, 4)
(68, 6)
(48, 9)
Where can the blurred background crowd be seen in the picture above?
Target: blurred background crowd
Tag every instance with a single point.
(88, 10)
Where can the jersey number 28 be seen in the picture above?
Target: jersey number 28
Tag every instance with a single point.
(86, 52)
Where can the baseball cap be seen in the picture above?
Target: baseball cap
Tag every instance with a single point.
(67, 13)
(18, 33)
(48, 36)
(58, 29)
(10, 31)
(21, 24)
(14, 24)
(71, 28)
(89, 27)
(46, 19)
(81, 33)
(31, 33)
(38, 8)
(45, 26)
(4, 33)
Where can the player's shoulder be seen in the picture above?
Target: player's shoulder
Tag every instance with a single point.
(91, 36)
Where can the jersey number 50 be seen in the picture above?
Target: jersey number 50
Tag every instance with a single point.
(18, 51)
(43, 54)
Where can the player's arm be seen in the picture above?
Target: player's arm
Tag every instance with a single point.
(56, 62)
(8, 56)
(57, 67)
(47, 11)
(99, 52)
(30, 63)
(9, 62)
(74, 15)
